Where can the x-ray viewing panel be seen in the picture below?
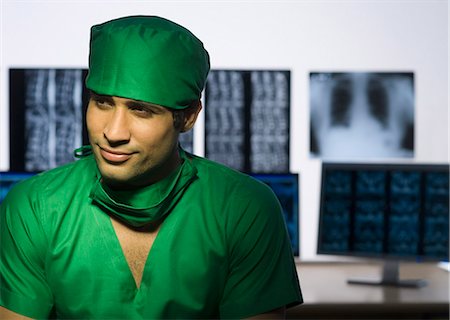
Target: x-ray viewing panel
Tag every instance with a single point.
(361, 115)
(247, 120)
(47, 118)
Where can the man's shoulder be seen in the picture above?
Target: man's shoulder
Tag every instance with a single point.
(219, 177)
(59, 179)
(215, 170)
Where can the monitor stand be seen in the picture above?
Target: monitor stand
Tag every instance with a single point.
(390, 277)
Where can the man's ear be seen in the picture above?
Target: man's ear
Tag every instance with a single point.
(190, 116)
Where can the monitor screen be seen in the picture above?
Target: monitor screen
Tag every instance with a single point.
(286, 187)
(385, 210)
(8, 179)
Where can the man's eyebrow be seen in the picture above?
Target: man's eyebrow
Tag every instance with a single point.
(96, 96)
(144, 105)
(129, 103)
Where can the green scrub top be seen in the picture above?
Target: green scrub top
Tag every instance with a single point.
(221, 252)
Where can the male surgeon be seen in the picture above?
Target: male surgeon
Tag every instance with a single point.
(137, 228)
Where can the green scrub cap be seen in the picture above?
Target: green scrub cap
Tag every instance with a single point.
(147, 58)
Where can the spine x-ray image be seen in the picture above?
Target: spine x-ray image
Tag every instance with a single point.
(361, 115)
(247, 120)
(225, 108)
(46, 117)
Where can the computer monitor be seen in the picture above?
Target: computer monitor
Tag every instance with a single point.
(9, 179)
(393, 212)
(286, 187)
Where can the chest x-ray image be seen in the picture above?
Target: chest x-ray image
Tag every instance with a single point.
(360, 115)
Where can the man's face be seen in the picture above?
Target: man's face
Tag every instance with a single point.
(134, 143)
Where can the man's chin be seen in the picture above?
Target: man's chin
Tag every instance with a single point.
(115, 177)
(117, 183)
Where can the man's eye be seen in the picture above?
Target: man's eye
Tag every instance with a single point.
(142, 111)
(102, 103)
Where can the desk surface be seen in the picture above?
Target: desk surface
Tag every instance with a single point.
(325, 290)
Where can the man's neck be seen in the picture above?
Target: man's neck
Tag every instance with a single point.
(153, 176)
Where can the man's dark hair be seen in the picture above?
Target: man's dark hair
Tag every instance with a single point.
(179, 114)
(178, 118)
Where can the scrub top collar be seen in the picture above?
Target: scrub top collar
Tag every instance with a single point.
(140, 207)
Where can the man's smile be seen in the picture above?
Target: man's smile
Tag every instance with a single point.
(114, 156)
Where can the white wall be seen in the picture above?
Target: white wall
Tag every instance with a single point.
(301, 36)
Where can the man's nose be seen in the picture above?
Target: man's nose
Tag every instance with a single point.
(117, 128)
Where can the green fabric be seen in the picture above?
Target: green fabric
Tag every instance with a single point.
(142, 206)
(223, 251)
(147, 58)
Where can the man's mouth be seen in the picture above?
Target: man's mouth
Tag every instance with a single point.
(114, 156)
